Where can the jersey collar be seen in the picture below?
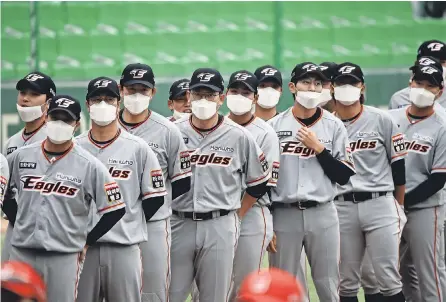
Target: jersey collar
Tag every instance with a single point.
(417, 121)
(105, 145)
(26, 138)
(55, 159)
(121, 120)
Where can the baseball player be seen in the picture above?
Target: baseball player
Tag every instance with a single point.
(206, 220)
(270, 90)
(328, 69)
(113, 268)
(53, 238)
(137, 90)
(315, 155)
(368, 205)
(178, 102)
(424, 131)
(431, 48)
(4, 176)
(257, 227)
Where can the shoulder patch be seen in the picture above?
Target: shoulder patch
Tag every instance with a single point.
(10, 150)
(157, 178)
(184, 160)
(112, 191)
(398, 143)
(2, 188)
(263, 162)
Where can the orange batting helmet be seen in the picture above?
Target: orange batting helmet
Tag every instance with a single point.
(22, 280)
(271, 285)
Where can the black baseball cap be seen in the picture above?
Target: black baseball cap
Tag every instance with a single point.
(138, 74)
(267, 73)
(426, 61)
(103, 85)
(306, 68)
(432, 48)
(39, 82)
(207, 77)
(430, 73)
(328, 69)
(244, 77)
(178, 89)
(66, 104)
(348, 69)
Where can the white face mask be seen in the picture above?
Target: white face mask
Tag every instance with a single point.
(421, 97)
(308, 99)
(59, 132)
(238, 104)
(268, 97)
(204, 109)
(179, 115)
(325, 97)
(102, 114)
(29, 114)
(136, 103)
(347, 94)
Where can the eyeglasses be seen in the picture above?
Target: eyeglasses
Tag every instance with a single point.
(98, 99)
(207, 96)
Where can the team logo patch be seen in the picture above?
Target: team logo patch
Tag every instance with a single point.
(37, 184)
(10, 150)
(263, 162)
(157, 179)
(275, 172)
(210, 159)
(281, 134)
(3, 184)
(27, 165)
(119, 173)
(222, 149)
(398, 143)
(112, 192)
(363, 145)
(184, 160)
(416, 147)
(297, 149)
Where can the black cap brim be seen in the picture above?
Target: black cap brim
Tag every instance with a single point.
(64, 110)
(145, 83)
(270, 78)
(244, 83)
(178, 95)
(425, 77)
(24, 84)
(314, 72)
(199, 85)
(103, 90)
(348, 76)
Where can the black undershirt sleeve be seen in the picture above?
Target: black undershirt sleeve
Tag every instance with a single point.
(434, 183)
(259, 190)
(399, 172)
(9, 207)
(336, 170)
(180, 187)
(107, 221)
(151, 205)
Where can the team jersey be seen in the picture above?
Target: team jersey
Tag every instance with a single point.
(268, 142)
(4, 177)
(221, 160)
(425, 142)
(375, 142)
(20, 139)
(134, 166)
(166, 141)
(401, 99)
(54, 197)
(301, 176)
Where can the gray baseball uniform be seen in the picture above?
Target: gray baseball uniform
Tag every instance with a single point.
(166, 141)
(16, 141)
(53, 206)
(316, 228)
(422, 241)
(401, 99)
(368, 212)
(4, 177)
(205, 226)
(257, 226)
(113, 267)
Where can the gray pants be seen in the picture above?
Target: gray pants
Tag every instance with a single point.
(60, 271)
(113, 272)
(302, 275)
(204, 251)
(368, 279)
(423, 246)
(317, 229)
(375, 224)
(156, 261)
(7, 243)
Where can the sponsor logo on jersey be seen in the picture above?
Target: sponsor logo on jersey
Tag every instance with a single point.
(398, 143)
(284, 133)
(361, 145)
(10, 150)
(297, 149)
(184, 160)
(153, 145)
(27, 165)
(416, 147)
(124, 162)
(209, 159)
(222, 149)
(325, 141)
(112, 192)
(363, 134)
(157, 179)
(37, 184)
(60, 176)
(3, 184)
(119, 173)
(417, 136)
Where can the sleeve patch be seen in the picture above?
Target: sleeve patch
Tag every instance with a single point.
(2, 188)
(157, 179)
(398, 143)
(349, 155)
(113, 192)
(184, 160)
(275, 172)
(263, 162)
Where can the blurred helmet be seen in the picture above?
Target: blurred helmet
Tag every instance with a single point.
(270, 285)
(21, 279)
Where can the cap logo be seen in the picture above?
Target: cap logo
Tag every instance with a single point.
(32, 77)
(63, 102)
(205, 77)
(426, 61)
(346, 69)
(52, 92)
(183, 86)
(310, 67)
(269, 71)
(138, 73)
(242, 76)
(323, 67)
(102, 83)
(428, 70)
(435, 46)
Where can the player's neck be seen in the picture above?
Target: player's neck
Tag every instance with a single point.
(301, 112)
(205, 124)
(57, 148)
(134, 119)
(348, 112)
(415, 111)
(34, 125)
(106, 133)
(241, 119)
(265, 114)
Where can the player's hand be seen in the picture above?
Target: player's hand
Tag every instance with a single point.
(272, 247)
(84, 253)
(310, 140)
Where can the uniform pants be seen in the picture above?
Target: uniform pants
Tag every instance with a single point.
(302, 275)
(113, 272)
(60, 271)
(156, 261)
(203, 250)
(317, 229)
(7, 243)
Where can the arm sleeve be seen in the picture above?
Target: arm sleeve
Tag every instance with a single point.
(152, 181)
(256, 164)
(434, 183)
(178, 157)
(107, 221)
(151, 205)
(399, 172)
(271, 148)
(439, 160)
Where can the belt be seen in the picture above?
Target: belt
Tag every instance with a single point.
(201, 216)
(301, 205)
(356, 197)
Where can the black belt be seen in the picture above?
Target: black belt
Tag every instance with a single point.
(301, 205)
(356, 197)
(201, 216)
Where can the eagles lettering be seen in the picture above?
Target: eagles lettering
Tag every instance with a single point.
(34, 183)
(119, 173)
(361, 145)
(210, 159)
(414, 146)
(296, 148)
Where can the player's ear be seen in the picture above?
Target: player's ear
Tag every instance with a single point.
(363, 88)
(153, 92)
(221, 98)
(256, 98)
(170, 104)
(292, 87)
